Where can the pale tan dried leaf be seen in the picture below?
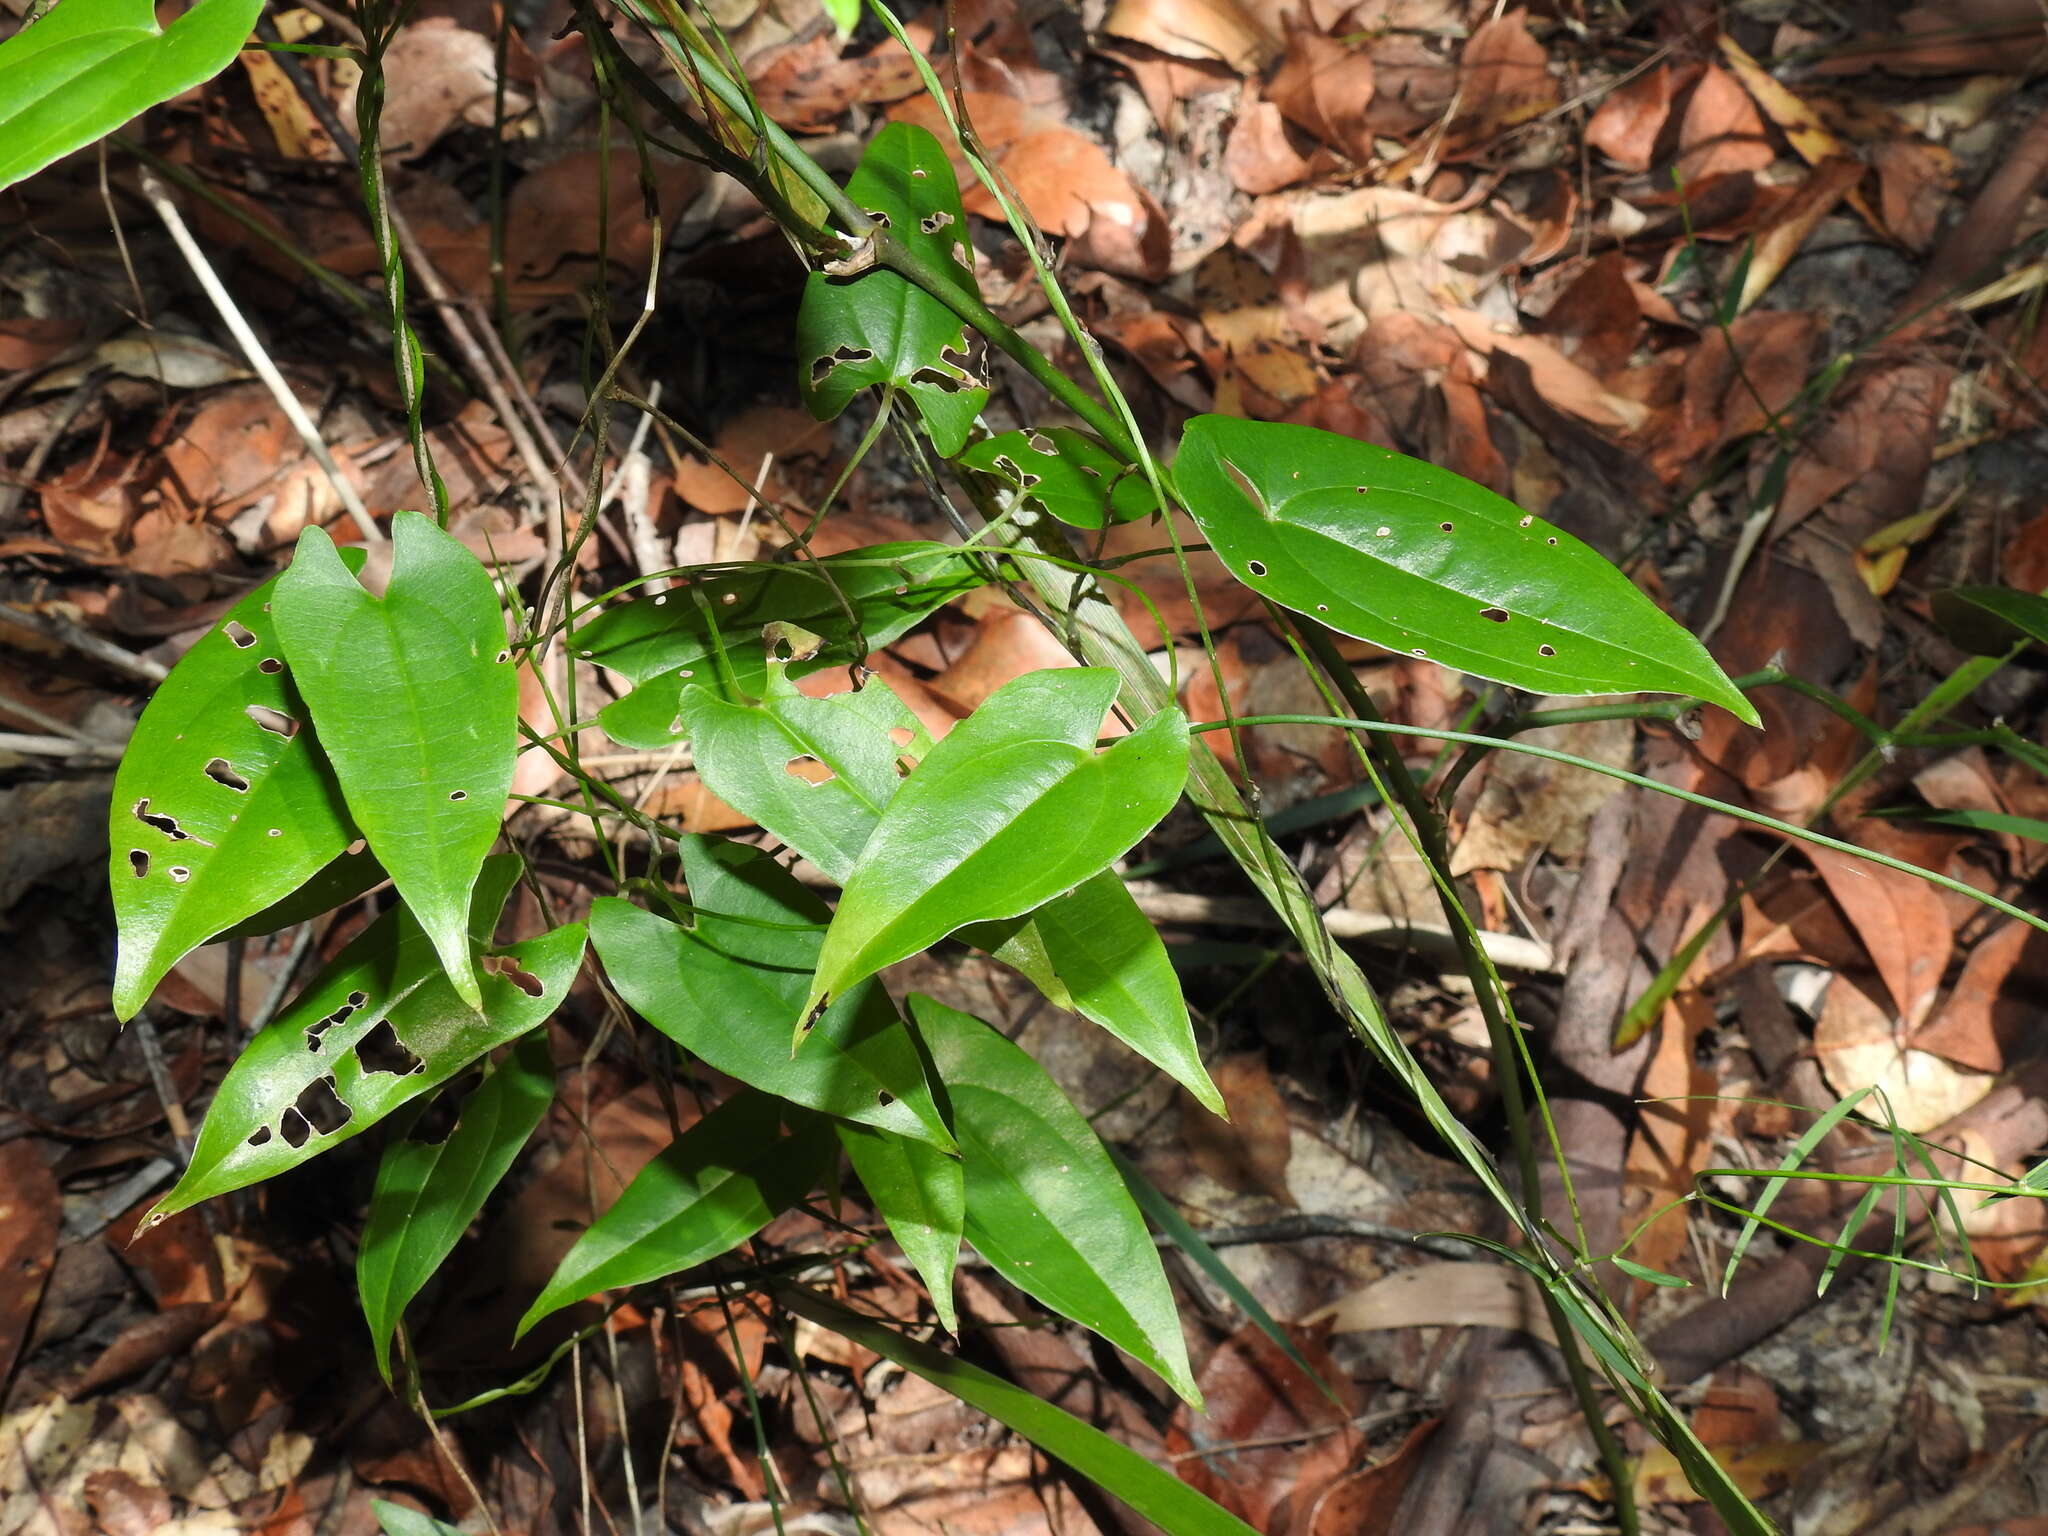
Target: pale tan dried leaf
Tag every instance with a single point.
(1857, 1046)
(1448, 1293)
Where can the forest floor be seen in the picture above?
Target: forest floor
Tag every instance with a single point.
(1747, 295)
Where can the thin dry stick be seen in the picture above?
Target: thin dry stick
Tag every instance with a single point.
(57, 746)
(86, 643)
(159, 199)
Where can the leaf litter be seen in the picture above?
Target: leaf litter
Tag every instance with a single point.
(1734, 297)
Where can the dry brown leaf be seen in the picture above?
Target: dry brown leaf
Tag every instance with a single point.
(1528, 803)
(1325, 89)
(29, 1212)
(1446, 1293)
(1367, 1502)
(1956, 37)
(1065, 179)
(807, 87)
(1196, 29)
(1249, 1152)
(1674, 1138)
(438, 73)
(1915, 180)
(1857, 1046)
(1871, 455)
(1505, 78)
(1793, 220)
(30, 342)
(552, 215)
(1721, 133)
(1991, 1012)
(1759, 1471)
(1006, 646)
(1560, 382)
(1596, 319)
(1902, 920)
(1398, 358)
(2026, 558)
(1626, 126)
(1289, 1440)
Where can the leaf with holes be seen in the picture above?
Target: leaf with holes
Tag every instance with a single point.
(876, 327)
(223, 804)
(428, 1192)
(1989, 621)
(377, 1028)
(664, 643)
(922, 1194)
(1093, 952)
(90, 65)
(417, 704)
(1045, 1205)
(726, 988)
(815, 772)
(1065, 473)
(1412, 557)
(719, 1183)
(353, 874)
(1013, 808)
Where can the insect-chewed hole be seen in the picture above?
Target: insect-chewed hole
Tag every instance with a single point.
(1383, 531)
(221, 771)
(1445, 526)
(1420, 651)
(917, 172)
(507, 966)
(1546, 650)
(1363, 490)
(1256, 567)
(822, 368)
(380, 1050)
(356, 847)
(259, 1136)
(902, 735)
(503, 657)
(437, 1123)
(235, 632)
(138, 861)
(1322, 607)
(1498, 615)
(729, 598)
(180, 874)
(293, 1127)
(275, 721)
(1550, 541)
(458, 794)
(1527, 519)
(905, 767)
(270, 664)
(885, 1098)
(168, 825)
(334, 1020)
(809, 769)
(933, 222)
(878, 216)
(317, 1107)
(1040, 443)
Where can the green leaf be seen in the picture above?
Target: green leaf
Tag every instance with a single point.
(876, 327)
(1990, 621)
(1645, 1273)
(1093, 952)
(223, 804)
(726, 988)
(378, 1027)
(672, 639)
(90, 65)
(1152, 1491)
(342, 881)
(397, 1520)
(922, 1194)
(1013, 808)
(744, 752)
(2030, 827)
(1415, 558)
(1065, 473)
(845, 15)
(428, 1192)
(1045, 1205)
(719, 1183)
(417, 706)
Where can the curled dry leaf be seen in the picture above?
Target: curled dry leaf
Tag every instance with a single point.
(1721, 133)
(1915, 180)
(1196, 29)
(1447, 1293)
(1325, 88)
(1505, 78)
(1260, 154)
(1626, 126)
